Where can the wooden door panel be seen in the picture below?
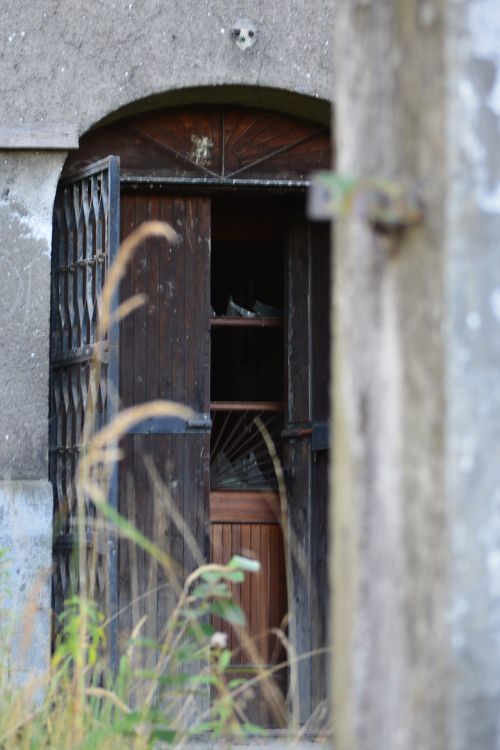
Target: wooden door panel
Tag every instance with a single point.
(262, 596)
(160, 512)
(163, 357)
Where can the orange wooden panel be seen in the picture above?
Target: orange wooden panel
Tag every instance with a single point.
(262, 596)
(228, 506)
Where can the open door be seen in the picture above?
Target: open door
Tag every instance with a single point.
(234, 178)
(86, 239)
(164, 355)
(305, 453)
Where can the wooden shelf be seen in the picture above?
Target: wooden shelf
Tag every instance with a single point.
(246, 406)
(222, 321)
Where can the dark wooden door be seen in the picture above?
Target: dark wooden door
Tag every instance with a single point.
(305, 451)
(165, 355)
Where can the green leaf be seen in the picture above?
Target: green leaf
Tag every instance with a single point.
(244, 563)
(163, 735)
(206, 590)
(229, 612)
(235, 576)
(211, 576)
(224, 659)
(203, 679)
(202, 628)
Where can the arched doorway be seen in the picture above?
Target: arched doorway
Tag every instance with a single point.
(235, 326)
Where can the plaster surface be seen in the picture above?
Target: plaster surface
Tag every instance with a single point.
(28, 182)
(26, 538)
(63, 60)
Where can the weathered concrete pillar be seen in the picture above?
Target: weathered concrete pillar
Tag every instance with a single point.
(28, 181)
(473, 368)
(416, 470)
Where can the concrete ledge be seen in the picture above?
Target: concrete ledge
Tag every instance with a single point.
(26, 537)
(39, 136)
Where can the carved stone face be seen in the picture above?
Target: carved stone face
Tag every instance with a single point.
(244, 33)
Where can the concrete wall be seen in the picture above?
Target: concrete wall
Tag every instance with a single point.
(25, 580)
(75, 63)
(416, 568)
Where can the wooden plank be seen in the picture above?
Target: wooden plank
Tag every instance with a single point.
(320, 295)
(320, 321)
(124, 561)
(244, 507)
(222, 321)
(246, 586)
(226, 556)
(297, 453)
(236, 589)
(256, 593)
(196, 362)
(151, 512)
(167, 596)
(43, 136)
(265, 598)
(126, 471)
(176, 331)
(275, 613)
(140, 372)
(246, 406)
(216, 554)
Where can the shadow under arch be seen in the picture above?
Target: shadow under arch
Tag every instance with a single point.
(305, 106)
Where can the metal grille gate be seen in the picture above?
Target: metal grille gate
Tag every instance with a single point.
(86, 239)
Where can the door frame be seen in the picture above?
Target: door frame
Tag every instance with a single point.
(201, 183)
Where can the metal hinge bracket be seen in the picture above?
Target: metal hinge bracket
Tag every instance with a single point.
(387, 206)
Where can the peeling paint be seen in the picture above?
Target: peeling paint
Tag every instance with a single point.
(201, 149)
(27, 189)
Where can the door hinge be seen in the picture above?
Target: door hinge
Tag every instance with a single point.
(386, 205)
(172, 425)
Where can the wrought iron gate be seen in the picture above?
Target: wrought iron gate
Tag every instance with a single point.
(86, 239)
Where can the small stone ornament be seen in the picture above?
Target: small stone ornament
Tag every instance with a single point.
(244, 33)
